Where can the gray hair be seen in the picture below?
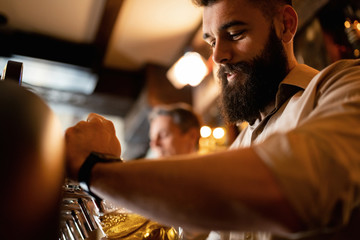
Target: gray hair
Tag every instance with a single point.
(181, 113)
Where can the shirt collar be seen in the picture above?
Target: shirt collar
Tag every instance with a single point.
(297, 79)
(300, 76)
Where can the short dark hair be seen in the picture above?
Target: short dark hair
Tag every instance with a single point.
(204, 3)
(182, 114)
(267, 6)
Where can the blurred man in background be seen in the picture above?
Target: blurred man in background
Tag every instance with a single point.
(174, 129)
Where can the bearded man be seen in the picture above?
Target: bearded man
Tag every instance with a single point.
(294, 173)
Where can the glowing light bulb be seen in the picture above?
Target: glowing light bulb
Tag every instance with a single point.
(356, 53)
(347, 24)
(218, 133)
(189, 69)
(205, 131)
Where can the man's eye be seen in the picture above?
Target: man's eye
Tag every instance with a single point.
(212, 44)
(237, 35)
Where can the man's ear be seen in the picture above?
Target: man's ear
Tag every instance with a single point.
(289, 20)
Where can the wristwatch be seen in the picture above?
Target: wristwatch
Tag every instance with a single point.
(84, 174)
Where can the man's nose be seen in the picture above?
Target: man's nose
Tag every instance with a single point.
(222, 52)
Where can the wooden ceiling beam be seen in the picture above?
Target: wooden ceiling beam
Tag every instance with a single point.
(110, 14)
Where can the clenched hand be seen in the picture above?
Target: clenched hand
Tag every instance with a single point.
(97, 134)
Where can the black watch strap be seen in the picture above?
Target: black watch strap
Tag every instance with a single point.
(84, 174)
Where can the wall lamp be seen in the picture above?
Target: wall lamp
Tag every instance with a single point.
(190, 69)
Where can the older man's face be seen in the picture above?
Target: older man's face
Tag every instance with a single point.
(166, 138)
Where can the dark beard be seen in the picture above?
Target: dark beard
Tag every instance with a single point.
(244, 100)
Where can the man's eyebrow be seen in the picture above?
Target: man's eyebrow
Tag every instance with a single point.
(231, 24)
(226, 26)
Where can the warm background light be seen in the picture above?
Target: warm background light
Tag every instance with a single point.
(205, 131)
(218, 133)
(347, 24)
(189, 69)
(356, 53)
(212, 139)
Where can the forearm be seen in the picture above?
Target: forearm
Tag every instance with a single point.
(218, 191)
